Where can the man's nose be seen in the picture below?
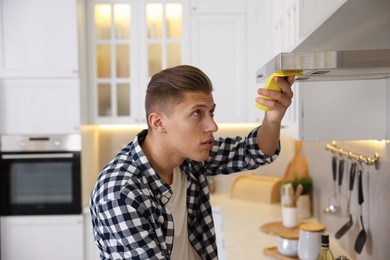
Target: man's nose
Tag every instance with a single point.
(211, 126)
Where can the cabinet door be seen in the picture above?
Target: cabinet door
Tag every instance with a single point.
(130, 41)
(340, 110)
(38, 38)
(217, 6)
(114, 71)
(260, 49)
(42, 237)
(39, 106)
(218, 48)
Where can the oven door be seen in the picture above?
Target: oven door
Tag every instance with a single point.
(40, 183)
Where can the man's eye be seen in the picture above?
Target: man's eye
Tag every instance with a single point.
(212, 113)
(196, 113)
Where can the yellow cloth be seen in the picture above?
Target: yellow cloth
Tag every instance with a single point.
(272, 85)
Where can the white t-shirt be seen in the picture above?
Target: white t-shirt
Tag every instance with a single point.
(182, 248)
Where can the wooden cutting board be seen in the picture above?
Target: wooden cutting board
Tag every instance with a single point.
(298, 165)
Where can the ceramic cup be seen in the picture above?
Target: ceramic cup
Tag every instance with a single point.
(289, 217)
(288, 246)
(309, 243)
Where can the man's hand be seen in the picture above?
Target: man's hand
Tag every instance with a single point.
(269, 132)
(280, 100)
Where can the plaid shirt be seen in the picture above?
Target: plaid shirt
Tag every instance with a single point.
(129, 216)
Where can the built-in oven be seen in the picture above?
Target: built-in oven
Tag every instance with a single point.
(40, 175)
(40, 197)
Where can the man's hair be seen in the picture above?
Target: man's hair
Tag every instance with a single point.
(166, 88)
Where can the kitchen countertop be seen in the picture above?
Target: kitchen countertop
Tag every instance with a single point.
(241, 222)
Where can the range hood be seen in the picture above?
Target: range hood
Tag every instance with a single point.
(353, 43)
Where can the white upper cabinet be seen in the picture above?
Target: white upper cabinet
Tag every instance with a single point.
(212, 35)
(129, 41)
(38, 38)
(39, 106)
(218, 47)
(295, 19)
(260, 48)
(217, 6)
(222, 36)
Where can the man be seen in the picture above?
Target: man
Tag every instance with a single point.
(152, 200)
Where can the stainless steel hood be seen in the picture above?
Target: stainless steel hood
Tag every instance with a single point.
(353, 43)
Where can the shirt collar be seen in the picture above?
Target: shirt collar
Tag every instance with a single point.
(160, 188)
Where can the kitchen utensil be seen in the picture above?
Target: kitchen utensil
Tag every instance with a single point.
(290, 213)
(291, 194)
(285, 197)
(340, 196)
(294, 196)
(333, 207)
(297, 167)
(362, 236)
(349, 224)
(298, 192)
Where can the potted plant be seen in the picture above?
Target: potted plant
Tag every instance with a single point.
(306, 182)
(304, 202)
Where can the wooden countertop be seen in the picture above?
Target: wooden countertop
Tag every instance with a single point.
(241, 222)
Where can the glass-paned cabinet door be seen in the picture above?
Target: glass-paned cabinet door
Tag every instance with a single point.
(164, 22)
(129, 42)
(112, 41)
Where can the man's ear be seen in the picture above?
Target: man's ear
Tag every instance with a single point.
(156, 121)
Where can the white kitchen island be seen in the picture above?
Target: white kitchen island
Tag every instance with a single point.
(241, 222)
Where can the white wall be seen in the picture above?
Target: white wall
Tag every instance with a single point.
(376, 207)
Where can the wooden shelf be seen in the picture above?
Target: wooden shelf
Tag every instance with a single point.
(273, 251)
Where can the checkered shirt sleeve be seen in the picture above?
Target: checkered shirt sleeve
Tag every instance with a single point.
(237, 154)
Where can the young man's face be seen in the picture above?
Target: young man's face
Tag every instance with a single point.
(191, 126)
